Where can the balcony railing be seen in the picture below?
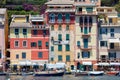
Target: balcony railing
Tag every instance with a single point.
(110, 24)
(115, 48)
(51, 21)
(61, 10)
(85, 35)
(60, 42)
(109, 60)
(86, 48)
(85, 12)
(59, 20)
(40, 26)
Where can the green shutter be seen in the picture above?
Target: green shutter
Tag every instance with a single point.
(89, 9)
(59, 57)
(40, 55)
(52, 27)
(67, 57)
(39, 43)
(52, 48)
(60, 27)
(59, 47)
(67, 27)
(60, 37)
(78, 43)
(67, 36)
(47, 44)
(52, 59)
(67, 47)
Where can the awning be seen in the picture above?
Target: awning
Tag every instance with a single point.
(27, 63)
(112, 16)
(87, 63)
(103, 64)
(116, 64)
(115, 40)
(57, 65)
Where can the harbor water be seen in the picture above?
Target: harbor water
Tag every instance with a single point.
(65, 77)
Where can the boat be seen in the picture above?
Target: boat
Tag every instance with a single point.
(3, 74)
(96, 73)
(117, 74)
(111, 72)
(83, 73)
(60, 73)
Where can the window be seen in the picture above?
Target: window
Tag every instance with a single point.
(52, 27)
(0, 54)
(112, 46)
(23, 54)
(78, 55)
(59, 17)
(59, 47)
(24, 31)
(89, 29)
(81, 29)
(112, 32)
(67, 57)
(59, 57)
(52, 59)
(34, 32)
(89, 9)
(33, 44)
(52, 48)
(16, 31)
(110, 20)
(47, 44)
(60, 37)
(67, 37)
(67, 47)
(24, 43)
(72, 67)
(103, 30)
(60, 27)
(78, 43)
(39, 43)
(16, 43)
(17, 56)
(40, 55)
(67, 17)
(67, 27)
(85, 54)
(112, 55)
(52, 18)
(80, 9)
(103, 43)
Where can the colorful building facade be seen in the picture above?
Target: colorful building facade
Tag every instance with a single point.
(3, 35)
(86, 51)
(60, 16)
(109, 43)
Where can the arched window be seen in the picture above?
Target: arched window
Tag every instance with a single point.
(52, 17)
(67, 17)
(59, 17)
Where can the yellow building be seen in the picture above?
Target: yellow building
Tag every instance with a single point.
(86, 51)
(61, 20)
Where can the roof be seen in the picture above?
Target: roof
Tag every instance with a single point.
(20, 24)
(62, 2)
(3, 10)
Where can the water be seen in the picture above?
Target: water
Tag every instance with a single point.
(66, 77)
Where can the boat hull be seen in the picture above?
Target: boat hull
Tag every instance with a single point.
(96, 73)
(49, 74)
(81, 74)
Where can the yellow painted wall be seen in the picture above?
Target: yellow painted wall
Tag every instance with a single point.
(20, 19)
(12, 34)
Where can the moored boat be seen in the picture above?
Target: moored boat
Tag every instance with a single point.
(111, 72)
(96, 73)
(81, 73)
(61, 73)
(2, 74)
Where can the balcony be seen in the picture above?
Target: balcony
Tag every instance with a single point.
(59, 21)
(85, 35)
(61, 10)
(52, 21)
(42, 27)
(109, 60)
(85, 48)
(60, 42)
(115, 48)
(67, 20)
(86, 13)
(110, 24)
